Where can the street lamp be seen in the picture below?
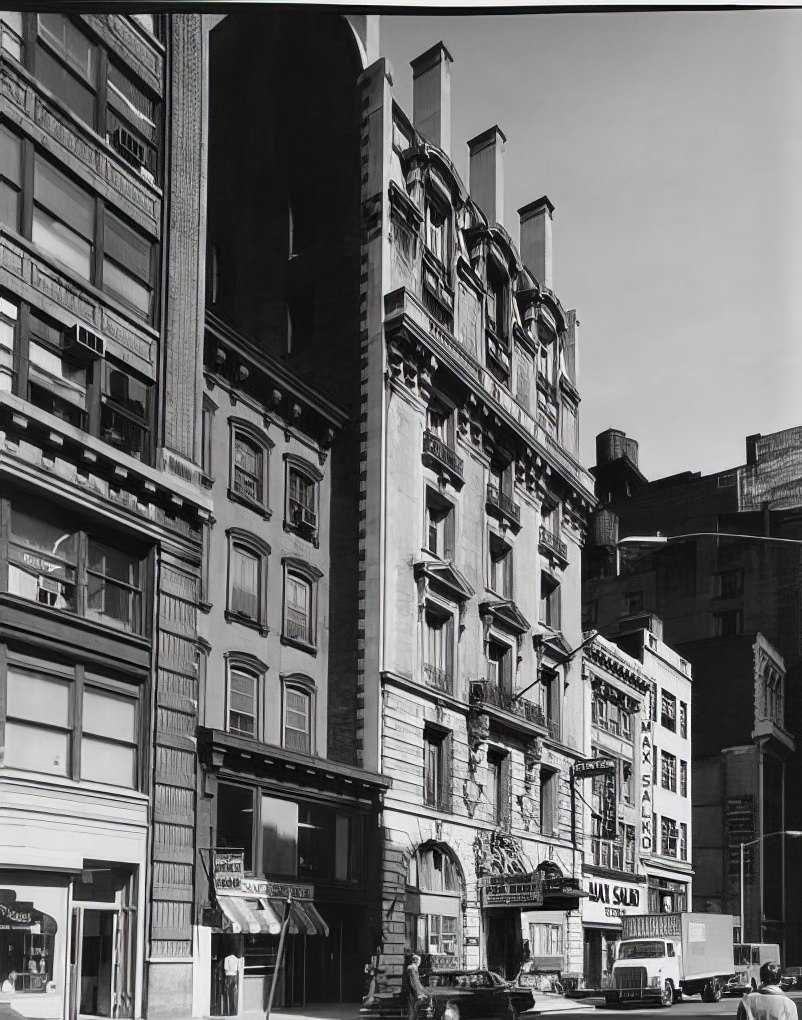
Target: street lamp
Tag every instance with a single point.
(752, 842)
(659, 539)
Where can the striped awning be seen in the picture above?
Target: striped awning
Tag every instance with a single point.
(252, 917)
(304, 917)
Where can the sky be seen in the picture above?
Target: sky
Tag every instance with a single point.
(670, 143)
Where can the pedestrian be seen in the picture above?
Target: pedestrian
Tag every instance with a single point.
(416, 993)
(230, 984)
(769, 1002)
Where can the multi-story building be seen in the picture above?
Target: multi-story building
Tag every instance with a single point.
(101, 510)
(284, 806)
(472, 510)
(639, 831)
(728, 595)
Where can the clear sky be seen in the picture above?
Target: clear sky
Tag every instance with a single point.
(671, 146)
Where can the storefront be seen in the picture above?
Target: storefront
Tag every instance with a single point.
(607, 901)
(71, 925)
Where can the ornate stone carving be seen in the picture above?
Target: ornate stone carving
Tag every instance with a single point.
(471, 795)
(499, 853)
(526, 806)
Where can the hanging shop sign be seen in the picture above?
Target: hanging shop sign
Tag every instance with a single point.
(258, 888)
(16, 915)
(511, 890)
(228, 870)
(594, 767)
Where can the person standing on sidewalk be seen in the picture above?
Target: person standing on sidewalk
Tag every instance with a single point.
(769, 1002)
(230, 984)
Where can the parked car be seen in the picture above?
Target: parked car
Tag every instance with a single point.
(455, 995)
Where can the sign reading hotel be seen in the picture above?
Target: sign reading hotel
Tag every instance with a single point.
(229, 867)
(594, 767)
(511, 890)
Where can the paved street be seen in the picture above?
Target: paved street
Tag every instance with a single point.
(690, 1009)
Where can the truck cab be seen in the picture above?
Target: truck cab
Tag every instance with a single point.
(646, 969)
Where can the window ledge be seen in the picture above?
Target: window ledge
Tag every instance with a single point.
(304, 646)
(246, 621)
(205, 607)
(258, 508)
(307, 534)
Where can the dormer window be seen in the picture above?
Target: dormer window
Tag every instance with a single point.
(547, 335)
(497, 321)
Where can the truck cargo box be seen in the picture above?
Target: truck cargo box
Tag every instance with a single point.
(706, 939)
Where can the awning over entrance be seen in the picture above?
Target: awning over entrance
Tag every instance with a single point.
(250, 916)
(265, 916)
(304, 918)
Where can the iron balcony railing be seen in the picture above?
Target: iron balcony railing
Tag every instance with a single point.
(434, 447)
(489, 693)
(553, 543)
(500, 500)
(438, 677)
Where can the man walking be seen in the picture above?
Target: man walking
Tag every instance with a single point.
(769, 1002)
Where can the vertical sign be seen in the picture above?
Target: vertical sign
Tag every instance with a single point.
(646, 752)
(609, 820)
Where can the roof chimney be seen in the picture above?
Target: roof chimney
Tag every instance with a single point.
(487, 172)
(536, 239)
(431, 95)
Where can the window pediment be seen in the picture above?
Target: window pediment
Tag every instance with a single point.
(443, 576)
(505, 614)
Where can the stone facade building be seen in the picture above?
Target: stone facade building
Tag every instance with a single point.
(472, 515)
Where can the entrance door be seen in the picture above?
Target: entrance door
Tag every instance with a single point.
(503, 945)
(95, 962)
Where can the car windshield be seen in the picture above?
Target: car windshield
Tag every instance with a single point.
(641, 950)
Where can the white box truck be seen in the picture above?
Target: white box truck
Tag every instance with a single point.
(662, 957)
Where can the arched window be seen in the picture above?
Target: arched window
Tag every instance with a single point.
(298, 714)
(434, 904)
(244, 692)
(300, 603)
(248, 477)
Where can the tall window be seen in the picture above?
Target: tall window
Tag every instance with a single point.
(438, 650)
(297, 718)
(728, 624)
(124, 413)
(683, 720)
(550, 614)
(235, 817)
(668, 711)
(301, 512)
(247, 578)
(668, 772)
(438, 533)
(298, 609)
(437, 230)
(546, 939)
(110, 732)
(500, 666)
(497, 791)
(668, 837)
(242, 702)
(548, 800)
(114, 593)
(683, 841)
(249, 458)
(683, 778)
(500, 579)
(436, 925)
(436, 768)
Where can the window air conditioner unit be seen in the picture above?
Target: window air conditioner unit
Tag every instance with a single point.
(48, 590)
(131, 150)
(83, 343)
(302, 515)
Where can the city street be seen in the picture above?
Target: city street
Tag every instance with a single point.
(690, 1009)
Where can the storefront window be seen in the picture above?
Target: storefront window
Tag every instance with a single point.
(433, 920)
(33, 911)
(546, 939)
(279, 836)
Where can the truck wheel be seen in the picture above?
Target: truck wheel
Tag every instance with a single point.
(678, 996)
(667, 995)
(711, 992)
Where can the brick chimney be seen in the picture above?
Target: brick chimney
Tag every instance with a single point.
(487, 172)
(536, 239)
(431, 95)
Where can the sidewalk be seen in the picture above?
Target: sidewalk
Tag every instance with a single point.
(350, 1010)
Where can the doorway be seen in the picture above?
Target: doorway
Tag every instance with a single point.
(503, 942)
